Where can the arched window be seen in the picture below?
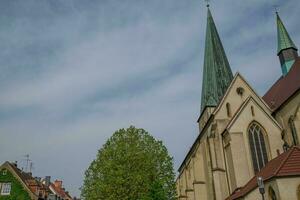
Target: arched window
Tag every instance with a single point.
(257, 147)
(272, 194)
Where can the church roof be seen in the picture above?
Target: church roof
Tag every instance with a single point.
(217, 74)
(284, 39)
(286, 164)
(284, 88)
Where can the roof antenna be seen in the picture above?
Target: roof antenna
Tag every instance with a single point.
(31, 167)
(27, 160)
(207, 3)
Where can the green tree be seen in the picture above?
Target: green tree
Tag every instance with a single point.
(131, 165)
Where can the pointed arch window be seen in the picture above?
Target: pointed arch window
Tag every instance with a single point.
(257, 146)
(293, 130)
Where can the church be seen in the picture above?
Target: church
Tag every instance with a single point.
(248, 145)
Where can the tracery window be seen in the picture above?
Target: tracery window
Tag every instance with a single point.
(257, 147)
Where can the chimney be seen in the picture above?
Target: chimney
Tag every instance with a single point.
(58, 183)
(47, 180)
(15, 163)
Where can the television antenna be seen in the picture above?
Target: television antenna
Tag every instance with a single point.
(27, 160)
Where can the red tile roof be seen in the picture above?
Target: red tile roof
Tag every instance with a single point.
(284, 87)
(286, 164)
(60, 191)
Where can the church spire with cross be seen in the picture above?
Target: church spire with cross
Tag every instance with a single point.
(287, 50)
(217, 74)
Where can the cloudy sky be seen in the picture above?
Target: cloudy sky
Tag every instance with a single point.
(72, 72)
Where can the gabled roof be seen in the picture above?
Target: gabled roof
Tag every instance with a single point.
(243, 106)
(59, 191)
(217, 74)
(284, 88)
(23, 177)
(284, 39)
(229, 88)
(286, 164)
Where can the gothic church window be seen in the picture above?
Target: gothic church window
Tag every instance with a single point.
(257, 147)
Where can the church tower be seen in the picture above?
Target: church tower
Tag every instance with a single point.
(287, 50)
(217, 74)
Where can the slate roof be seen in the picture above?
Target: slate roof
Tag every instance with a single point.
(217, 74)
(284, 87)
(286, 164)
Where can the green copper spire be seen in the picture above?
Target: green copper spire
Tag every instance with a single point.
(284, 39)
(287, 50)
(217, 74)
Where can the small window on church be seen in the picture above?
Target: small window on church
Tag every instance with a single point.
(293, 130)
(228, 110)
(298, 192)
(252, 111)
(257, 147)
(272, 194)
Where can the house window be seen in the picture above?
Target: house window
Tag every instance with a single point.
(257, 147)
(293, 130)
(6, 187)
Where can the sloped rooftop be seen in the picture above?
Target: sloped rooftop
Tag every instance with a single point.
(286, 164)
(284, 87)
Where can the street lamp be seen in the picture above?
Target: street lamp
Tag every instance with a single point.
(261, 187)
